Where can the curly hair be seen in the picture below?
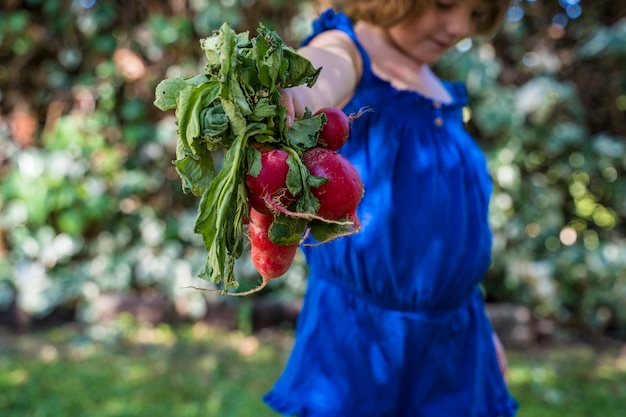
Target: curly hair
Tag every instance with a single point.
(389, 12)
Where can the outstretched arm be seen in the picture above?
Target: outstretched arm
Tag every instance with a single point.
(341, 65)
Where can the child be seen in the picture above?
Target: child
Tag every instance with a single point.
(393, 322)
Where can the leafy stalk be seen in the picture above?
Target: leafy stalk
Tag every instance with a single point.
(220, 217)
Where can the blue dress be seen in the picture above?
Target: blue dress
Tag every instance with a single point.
(393, 322)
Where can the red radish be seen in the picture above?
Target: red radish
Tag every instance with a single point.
(335, 131)
(341, 194)
(271, 182)
(270, 259)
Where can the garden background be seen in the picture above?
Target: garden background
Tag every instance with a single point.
(97, 242)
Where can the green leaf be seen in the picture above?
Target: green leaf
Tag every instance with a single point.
(299, 70)
(286, 230)
(304, 132)
(230, 88)
(248, 78)
(196, 170)
(192, 100)
(313, 181)
(295, 175)
(237, 121)
(197, 80)
(220, 215)
(323, 231)
(214, 125)
(298, 181)
(167, 93)
(269, 57)
(211, 47)
(253, 162)
(264, 109)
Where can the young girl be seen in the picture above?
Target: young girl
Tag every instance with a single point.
(393, 322)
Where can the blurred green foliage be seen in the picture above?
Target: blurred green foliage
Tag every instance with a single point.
(548, 108)
(90, 200)
(90, 203)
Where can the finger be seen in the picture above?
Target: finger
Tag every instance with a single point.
(500, 354)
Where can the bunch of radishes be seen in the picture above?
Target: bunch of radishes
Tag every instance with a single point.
(338, 192)
(284, 182)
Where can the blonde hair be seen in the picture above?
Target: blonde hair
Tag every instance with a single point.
(389, 12)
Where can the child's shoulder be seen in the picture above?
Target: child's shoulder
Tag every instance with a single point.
(332, 38)
(330, 21)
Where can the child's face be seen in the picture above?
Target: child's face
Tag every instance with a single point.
(427, 38)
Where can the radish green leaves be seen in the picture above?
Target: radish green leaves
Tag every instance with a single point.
(233, 104)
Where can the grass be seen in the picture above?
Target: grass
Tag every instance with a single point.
(570, 380)
(144, 371)
(129, 370)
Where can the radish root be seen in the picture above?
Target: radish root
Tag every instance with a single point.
(273, 205)
(362, 110)
(232, 294)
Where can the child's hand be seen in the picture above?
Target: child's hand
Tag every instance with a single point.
(500, 353)
(334, 52)
(294, 99)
